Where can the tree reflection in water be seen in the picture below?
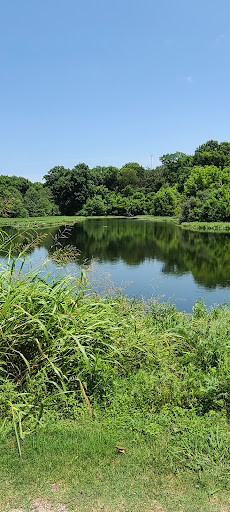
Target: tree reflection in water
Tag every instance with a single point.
(204, 255)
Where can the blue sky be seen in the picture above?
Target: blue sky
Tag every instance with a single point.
(107, 82)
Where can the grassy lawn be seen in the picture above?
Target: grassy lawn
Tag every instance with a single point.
(76, 465)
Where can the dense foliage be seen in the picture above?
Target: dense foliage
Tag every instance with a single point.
(143, 373)
(148, 368)
(21, 198)
(196, 187)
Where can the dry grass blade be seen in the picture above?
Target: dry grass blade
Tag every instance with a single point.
(90, 409)
(40, 349)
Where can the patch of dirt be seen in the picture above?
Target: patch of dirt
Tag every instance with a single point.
(54, 487)
(43, 505)
(224, 507)
(17, 510)
(157, 507)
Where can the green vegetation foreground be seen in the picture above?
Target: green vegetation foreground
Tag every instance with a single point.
(80, 374)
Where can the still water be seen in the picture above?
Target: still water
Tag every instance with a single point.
(145, 259)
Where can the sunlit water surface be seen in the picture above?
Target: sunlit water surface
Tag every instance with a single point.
(143, 259)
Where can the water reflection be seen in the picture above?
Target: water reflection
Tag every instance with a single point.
(133, 242)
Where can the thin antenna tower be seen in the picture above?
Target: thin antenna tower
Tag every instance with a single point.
(151, 157)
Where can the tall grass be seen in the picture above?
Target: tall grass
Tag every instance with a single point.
(64, 350)
(55, 336)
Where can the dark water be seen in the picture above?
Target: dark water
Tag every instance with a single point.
(147, 259)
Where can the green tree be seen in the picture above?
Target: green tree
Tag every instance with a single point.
(71, 187)
(202, 178)
(94, 206)
(210, 153)
(216, 207)
(14, 182)
(52, 177)
(137, 203)
(191, 209)
(211, 205)
(111, 177)
(11, 199)
(139, 170)
(155, 179)
(127, 176)
(12, 207)
(38, 201)
(166, 202)
(176, 168)
(98, 175)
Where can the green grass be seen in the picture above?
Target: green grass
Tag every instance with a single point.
(156, 380)
(206, 226)
(157, 219)
(27, 222)
(191, 226)
(77, 464)
(39, 221)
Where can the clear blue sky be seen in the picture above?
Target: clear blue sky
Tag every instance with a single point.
(110, 81)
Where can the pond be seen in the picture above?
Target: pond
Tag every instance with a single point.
(144, 259)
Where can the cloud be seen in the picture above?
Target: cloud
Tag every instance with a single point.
(189, 79)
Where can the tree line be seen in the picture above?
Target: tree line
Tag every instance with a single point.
(195, 187)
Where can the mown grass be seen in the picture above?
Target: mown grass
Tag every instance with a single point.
(80, 374)
(76, 464)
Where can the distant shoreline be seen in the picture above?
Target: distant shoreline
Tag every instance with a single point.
(40, 222)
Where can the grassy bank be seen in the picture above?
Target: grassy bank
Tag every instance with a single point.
(42, 222)
(157, 219)
(191, 226)
(206, 226)
(39, 222)
(80, 374)
(67, 220)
